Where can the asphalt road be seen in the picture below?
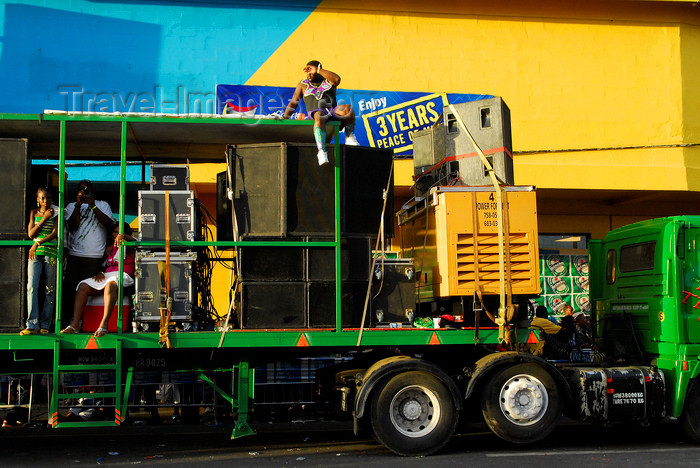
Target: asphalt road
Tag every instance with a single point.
(333, 444)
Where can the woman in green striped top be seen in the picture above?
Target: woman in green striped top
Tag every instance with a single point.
(43, 228)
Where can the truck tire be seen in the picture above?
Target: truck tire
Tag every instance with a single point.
(413, 414)
(521, 404)
(690, 419)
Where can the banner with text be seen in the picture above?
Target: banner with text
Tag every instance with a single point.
(385, 119)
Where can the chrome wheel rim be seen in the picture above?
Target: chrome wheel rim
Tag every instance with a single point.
(523, 400)
(415, 411)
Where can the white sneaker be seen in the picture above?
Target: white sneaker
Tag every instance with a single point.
(322, 158)
(351, 140)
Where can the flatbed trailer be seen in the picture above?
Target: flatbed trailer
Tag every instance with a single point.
(175, 139)
(409, 385)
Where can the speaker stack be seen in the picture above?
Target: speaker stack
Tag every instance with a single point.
(444, 152)
(13, 226)
(279, 192)
(294, 287)
(278, 189)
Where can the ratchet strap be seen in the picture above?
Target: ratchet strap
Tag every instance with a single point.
(164, 336)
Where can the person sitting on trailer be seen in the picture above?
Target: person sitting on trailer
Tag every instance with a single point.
(318, 91)
(541, 321)
(106, 283)
(582, 332)
(554, 339)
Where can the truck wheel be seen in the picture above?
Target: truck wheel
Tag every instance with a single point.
(690, 418)
(413, 414)
(521, 403)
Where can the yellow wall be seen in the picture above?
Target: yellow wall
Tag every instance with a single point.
(603, 94)
(690, 50)
(203, 183)
(594, 226)
(583, 76)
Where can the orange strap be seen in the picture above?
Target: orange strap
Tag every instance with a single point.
(166, 312)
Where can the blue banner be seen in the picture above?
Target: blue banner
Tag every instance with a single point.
(385, 119)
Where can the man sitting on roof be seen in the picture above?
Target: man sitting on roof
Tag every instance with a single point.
(318, 92)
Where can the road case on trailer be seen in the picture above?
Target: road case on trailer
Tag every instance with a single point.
(152, 215)
(151, 286)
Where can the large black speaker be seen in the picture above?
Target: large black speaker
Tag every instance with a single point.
(355, 259)
(280, 190)
(273, 305)
(310, 208)
(366, 173)
(394, 292)
(321, 305)
(13, 180)
(271, 263)
(305, 263)
(258, 184)
(488, 121)
(13, 288)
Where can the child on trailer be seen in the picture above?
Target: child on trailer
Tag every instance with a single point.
(42, 228)
(106, 283)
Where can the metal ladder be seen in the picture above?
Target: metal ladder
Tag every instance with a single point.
(117, 394)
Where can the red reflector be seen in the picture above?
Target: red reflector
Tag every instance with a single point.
(532, 339)
(685, 366)
(611, 390)
(302, 341)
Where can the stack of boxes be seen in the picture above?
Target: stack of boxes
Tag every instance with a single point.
(166, 211)
(280, 194)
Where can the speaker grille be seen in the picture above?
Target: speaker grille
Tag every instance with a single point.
(322, 304)
(488, 121)
(280, 190)
(272, 263)
(13, 180)
(273, 305)
(13, 288)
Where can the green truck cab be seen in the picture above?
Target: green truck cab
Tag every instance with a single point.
(645, 295)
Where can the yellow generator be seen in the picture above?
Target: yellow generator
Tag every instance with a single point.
(453, 237)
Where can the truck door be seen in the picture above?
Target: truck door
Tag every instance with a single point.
(689, 240)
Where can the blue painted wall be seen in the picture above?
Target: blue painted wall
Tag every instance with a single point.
(138, 56)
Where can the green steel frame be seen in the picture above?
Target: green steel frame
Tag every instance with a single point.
(337, 337)
(334, 339)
